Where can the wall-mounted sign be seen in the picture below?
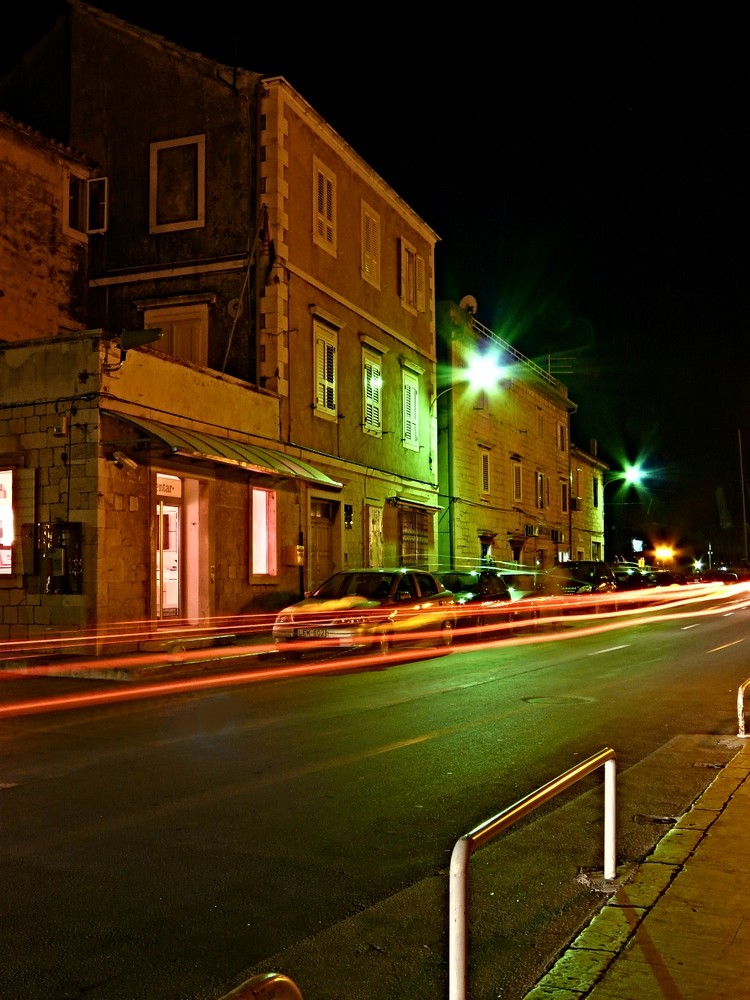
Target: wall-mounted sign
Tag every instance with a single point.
(168, 486)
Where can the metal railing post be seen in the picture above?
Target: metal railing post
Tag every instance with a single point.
(458, 904)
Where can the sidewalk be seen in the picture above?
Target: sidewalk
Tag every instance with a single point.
(679, 928)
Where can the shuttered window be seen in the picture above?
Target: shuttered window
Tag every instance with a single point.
(411, 411)
(371, 389)
(325, 207)
(325, 371)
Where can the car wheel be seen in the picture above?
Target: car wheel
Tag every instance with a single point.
(446, 633)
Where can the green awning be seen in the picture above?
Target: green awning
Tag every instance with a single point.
(211, 448)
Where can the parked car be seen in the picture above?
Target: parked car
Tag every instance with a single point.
(482, 596)
(718, 576)
(579, 577)
(370, 608)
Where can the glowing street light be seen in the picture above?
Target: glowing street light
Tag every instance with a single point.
(483, 372)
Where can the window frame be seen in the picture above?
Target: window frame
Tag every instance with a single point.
(412, 278)
(7, 549)
(325, 351)
(410, 409)
(370, 239)
(324, 193)
(262, 519)
(516, 470)
(485, 472)
(165, 317)
(158, 152)
(372, 393)
(92, 205)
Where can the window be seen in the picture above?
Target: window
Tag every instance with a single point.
(372, 382)
(484, 470)
(564, 497)
(184, 331)
(596, 491)
(325, 371)
(324, 208)
(516, 479)
(412, 278)
(562, 437)
(370, 245)
(540, 490)
(177, 184)
(6, 521)
(539, 424)
(414, 529)
(87, 205)
(263, 561)
(411, 411)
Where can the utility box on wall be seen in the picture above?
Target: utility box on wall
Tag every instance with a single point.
(293, 555)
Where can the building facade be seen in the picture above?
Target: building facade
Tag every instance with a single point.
(246, 385)
(513, 491)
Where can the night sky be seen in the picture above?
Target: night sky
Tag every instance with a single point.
(587, 179)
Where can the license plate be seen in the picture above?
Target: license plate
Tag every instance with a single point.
(312, 633)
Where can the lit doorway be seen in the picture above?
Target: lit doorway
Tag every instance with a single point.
(168, 547)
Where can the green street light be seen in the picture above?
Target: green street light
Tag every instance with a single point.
(483, 372)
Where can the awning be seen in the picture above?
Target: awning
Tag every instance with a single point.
(408, 504)
(209, 447)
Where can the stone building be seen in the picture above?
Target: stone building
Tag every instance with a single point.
(513, 490)
(247, 404)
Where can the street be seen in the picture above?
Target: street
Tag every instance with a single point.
(169, 847)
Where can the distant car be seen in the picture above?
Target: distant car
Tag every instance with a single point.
(482, 596)
(587, 576)
(369, 608)
(717, 576)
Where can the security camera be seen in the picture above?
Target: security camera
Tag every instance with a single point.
(119, 458)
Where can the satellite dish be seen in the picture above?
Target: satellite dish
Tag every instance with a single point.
(469, 303)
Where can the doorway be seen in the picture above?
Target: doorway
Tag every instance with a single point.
(168, 549)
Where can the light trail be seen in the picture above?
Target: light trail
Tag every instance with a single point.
(599, 624)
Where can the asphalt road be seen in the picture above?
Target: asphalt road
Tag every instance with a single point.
(171, 846)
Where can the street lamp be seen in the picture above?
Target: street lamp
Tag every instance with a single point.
(483, 371)
(629, 475)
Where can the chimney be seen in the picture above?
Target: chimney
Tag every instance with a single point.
(593, 446)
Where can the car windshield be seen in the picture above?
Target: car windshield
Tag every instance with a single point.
(374, 586)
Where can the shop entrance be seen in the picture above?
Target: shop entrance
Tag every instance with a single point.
(168, 547)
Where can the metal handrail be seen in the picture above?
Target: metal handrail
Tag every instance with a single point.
(458, 936)
(741, 710)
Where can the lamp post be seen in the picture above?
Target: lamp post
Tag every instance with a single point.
(630, 475)
(482, 372)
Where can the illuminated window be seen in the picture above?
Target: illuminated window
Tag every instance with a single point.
(177, 192)
(372, 382)
(263, 560)
(484, 470)
(325, 372)
(324, 208)
(370, 245)
(6, 522)
(411, 410)
(412, 281)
